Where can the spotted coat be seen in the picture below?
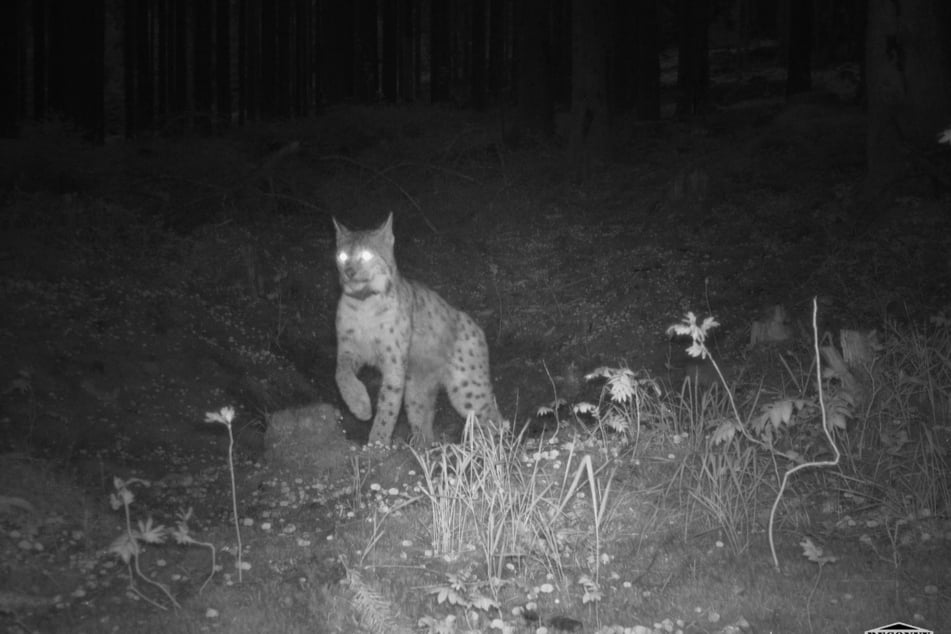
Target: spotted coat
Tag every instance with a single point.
(417, 341)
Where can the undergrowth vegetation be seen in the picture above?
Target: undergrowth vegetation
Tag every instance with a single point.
(511, 533)
(529, 527)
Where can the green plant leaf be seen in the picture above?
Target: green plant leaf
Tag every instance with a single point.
(585, 408)
(125, 546)
(724, 432)
(151, 534)
(814, 553)
(484, 603)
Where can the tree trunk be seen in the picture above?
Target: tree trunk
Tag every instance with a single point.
(40, 59)
(535, 104)
(859, 25)
(418, 50)
(314, 55)
(366, 73)
(336, 51)
(130, 9)
(202, 48)
(158, 26)
(179, 101)
(243, 43)
(268, 57)
(623, 56)
(799, 43)
(77, 63)
(635, 59)
(908, 58)
(391, 50)
(647, 60)
(223, 60)
(144, 69)
(137, 63)
(303, 56)
(589, 103)
(693, 65)
(496, 78)
(91, 67)
(59, 53)
(440, 66)
(407, 51)
(9, 69)
(477, 74)
(283, 43)
(560, 47)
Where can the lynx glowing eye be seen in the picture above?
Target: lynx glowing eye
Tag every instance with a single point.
(365, 256)
(342, 257)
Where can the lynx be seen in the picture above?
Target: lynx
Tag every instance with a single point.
(416, 340)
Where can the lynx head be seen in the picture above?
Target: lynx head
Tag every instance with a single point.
(365, 259)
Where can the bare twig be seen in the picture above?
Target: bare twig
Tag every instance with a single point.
(435, 168)
(554, 390)
(294, 199)
(825, 428)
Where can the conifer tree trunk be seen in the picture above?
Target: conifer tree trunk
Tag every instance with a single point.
(589, 103)
(391, 53)
(646, 60)
(799, 43)
(337, 62)
(407, 50)
(201, 48)
(534, 83)
(908, 59)
(693, 66)
(40, 60)
(77, 64)
(163, 64)
(138, 69)
(496, 77)
(179, 101)
(9, 71)
(283, 43)
(223, 61)
(440, 64)
(303, 56)
(366, 74)
(477, 73)
(243, 43)
(268, 58)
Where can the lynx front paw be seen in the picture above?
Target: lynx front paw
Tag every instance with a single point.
(359, 404)
(355, 396)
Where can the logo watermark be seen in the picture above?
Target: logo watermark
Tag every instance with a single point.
(898, 628)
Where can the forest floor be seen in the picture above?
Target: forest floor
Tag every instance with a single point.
(145, 284)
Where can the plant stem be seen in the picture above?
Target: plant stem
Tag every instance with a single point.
(234, 498)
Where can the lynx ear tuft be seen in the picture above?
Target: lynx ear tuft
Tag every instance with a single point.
(342, 232)
(386, 230)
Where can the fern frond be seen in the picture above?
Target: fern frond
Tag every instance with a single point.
(375, 612)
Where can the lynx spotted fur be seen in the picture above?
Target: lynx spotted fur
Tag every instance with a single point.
(418, 341)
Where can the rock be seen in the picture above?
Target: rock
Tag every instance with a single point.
(307, 441)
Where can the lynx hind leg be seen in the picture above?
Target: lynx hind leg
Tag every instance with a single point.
(419, 400)
(470, 385)
(388, 405)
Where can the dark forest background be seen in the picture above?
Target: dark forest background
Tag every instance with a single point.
(133, 67)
